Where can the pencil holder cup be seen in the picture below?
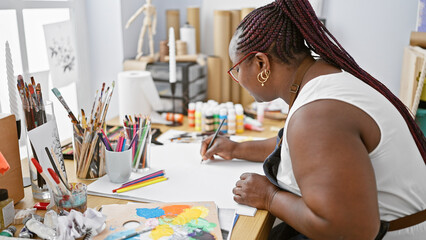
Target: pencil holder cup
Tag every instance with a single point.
(76, 199)
(43, 144)
(88, 153)
(140, 140)
(118, 164)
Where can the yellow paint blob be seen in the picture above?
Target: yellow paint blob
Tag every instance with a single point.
(204, 211)
(160, 231)
(190, 214)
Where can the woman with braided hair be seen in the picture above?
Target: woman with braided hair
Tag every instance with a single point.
(350, 160)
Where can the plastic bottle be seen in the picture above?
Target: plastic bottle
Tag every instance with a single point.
(198, 115)
(231, 121)
(8, 232)
(7, 209)
(239, 111)
(216, 117)
(178, 117)
(203, 116)
(229, 105)
(223, 114)
(191, 114)
(209, 121)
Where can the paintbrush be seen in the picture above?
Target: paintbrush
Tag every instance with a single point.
(107, 102)
(83, 119)
(93, 108)
(70, 114)
(62, 169)
(135, 234)
(54, 166)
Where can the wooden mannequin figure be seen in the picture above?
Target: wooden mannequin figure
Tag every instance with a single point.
(150, 22)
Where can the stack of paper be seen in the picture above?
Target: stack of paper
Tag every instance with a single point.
(189, 180)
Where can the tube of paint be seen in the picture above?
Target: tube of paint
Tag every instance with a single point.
(40, 229)
(8, 232)
(25, 233)
(252, 121)
(252, 127)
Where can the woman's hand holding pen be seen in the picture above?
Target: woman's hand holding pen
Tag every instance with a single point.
(222, 147)
(254, 190)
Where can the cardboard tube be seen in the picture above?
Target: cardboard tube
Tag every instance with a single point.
(222, 37)
(214, 68)
(172, 16)
(235, 87)
(184, 58)
(193, 18)
(245, 12)
(418, 39)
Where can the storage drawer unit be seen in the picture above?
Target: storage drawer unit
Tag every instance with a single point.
(191, 84)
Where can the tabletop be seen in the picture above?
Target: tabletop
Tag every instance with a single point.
(246, 227)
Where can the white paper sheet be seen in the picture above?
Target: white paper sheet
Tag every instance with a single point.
(189, 180)
(43, 136)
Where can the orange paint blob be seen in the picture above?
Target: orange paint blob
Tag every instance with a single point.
(174, 210)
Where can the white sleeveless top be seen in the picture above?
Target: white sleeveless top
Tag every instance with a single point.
(398, 166)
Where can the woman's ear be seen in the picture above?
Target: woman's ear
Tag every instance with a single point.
(262, 61)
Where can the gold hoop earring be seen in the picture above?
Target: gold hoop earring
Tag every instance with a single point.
(264, 78)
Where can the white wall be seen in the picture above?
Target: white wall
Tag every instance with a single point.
(105, 46)
(374, 33)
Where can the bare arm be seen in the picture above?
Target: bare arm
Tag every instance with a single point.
(334, 173)
(255, 151)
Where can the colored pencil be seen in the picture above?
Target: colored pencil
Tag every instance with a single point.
(142, 181)
(155, 174)
(143, 184)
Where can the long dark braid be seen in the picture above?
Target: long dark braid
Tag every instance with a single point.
(287, 25)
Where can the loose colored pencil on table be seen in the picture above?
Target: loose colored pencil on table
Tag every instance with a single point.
(142, 184)
(141, 179)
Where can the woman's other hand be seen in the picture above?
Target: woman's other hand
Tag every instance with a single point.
(254, 190)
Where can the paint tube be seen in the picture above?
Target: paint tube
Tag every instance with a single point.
(40, 229)
(252, 127)
(252, 121)
(25, 233)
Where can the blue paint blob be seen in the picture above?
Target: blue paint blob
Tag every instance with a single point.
(117, 235)
(150, 212)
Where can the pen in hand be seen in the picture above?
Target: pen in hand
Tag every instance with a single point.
(214, 136)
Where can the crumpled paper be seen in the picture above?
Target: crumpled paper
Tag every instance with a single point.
(76, 225)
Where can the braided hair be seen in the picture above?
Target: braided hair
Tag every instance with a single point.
(285, 28)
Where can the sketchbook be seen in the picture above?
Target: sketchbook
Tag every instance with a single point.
(187, 220)
(188, 179)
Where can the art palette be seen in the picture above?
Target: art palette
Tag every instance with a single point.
(194, 220)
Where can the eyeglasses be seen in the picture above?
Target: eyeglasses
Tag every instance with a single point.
(233, 71)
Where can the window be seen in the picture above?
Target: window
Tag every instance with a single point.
(22, 26)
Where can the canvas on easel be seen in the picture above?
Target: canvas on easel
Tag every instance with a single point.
(188, 220)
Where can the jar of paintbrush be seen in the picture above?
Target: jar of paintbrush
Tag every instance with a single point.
(42, 138)
(88, 152)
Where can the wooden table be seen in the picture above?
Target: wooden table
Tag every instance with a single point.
(246, 228)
